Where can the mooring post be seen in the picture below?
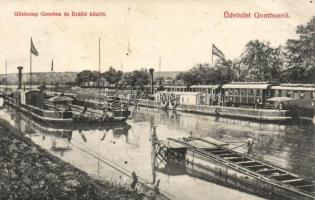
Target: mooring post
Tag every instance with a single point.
(156, 187)
(20, 68)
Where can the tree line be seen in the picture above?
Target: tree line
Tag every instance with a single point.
(112, 76)
(293, 62)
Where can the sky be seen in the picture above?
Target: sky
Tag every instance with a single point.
(180, 33)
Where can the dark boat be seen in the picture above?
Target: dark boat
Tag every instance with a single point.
(211, 158)
(58, 109)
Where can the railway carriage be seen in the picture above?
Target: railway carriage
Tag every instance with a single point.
(176, 88)
(211, 94)
(246, 93)
(295, 91)
(302, 98)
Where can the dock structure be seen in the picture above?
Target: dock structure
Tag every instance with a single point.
(210, 157)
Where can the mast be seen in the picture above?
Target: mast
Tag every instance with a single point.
(30, 70)
(122, 70)
(160, 63)
(51, 71)
(99, 62)
(6, 75)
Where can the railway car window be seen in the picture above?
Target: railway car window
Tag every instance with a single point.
(226, 93)
(279, 93)
(288, 93)
(250, 92)
(230, 92)
(257, 92)
(237, 91)
(313, 94)
(295, 95)
(302, 95)
(243, 91)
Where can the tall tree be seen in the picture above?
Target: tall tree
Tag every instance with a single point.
(202, 74)
(137, 77)
(85, 75)
(300, 55)
(113, 76)
(224, 71)
(260, 62)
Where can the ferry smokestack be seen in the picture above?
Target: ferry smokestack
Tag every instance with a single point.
(20, 68)
(151, 70)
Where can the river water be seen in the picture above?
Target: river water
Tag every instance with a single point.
(128, 148)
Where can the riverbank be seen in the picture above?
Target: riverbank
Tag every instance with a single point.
(29, 172)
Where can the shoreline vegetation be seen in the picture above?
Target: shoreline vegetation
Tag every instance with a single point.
(30, 172)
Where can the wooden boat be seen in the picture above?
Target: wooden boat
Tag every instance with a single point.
(32, 103)
(241, 171)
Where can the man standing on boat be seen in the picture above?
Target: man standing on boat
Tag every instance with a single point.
(250, 143)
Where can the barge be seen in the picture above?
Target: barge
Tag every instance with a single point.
(267, 115)
(204, 158)
(58, 109)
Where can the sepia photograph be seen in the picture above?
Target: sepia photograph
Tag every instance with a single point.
(157, 99)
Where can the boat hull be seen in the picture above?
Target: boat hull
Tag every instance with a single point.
(47, 116)
(203, 167)
(210, 168)
(212, 159)
(61, 117)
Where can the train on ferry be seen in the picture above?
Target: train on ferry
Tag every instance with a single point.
(236, 94)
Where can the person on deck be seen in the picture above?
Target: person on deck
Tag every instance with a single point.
(250, 143)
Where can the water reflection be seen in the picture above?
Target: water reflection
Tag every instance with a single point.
(128, 145)
(284, 145)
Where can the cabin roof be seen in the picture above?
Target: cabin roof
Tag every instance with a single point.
(154, 86)
(175, 86)
(187, 93)
(297, 85)
(293, 88)
(204, 86)
(246, 86)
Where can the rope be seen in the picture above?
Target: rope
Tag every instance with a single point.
(112, 164)
(109, 162)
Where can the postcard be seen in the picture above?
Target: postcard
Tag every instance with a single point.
(156, 99)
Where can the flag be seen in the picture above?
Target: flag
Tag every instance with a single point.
(217, 52)
(33, 49)
(52, 65)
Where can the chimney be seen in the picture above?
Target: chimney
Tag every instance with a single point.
(151, 70)
(20, 68)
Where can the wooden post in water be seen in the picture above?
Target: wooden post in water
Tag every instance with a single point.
(6, 76)
(99, 63)
(151, 70)
(153, 152)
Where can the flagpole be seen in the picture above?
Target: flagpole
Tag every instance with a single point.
(51, 70)
(31, 68)
(122, 69)
(29, 113)
(212, 56)
(211, 63)
(160, 63)
(6, 76)
(99, 63)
